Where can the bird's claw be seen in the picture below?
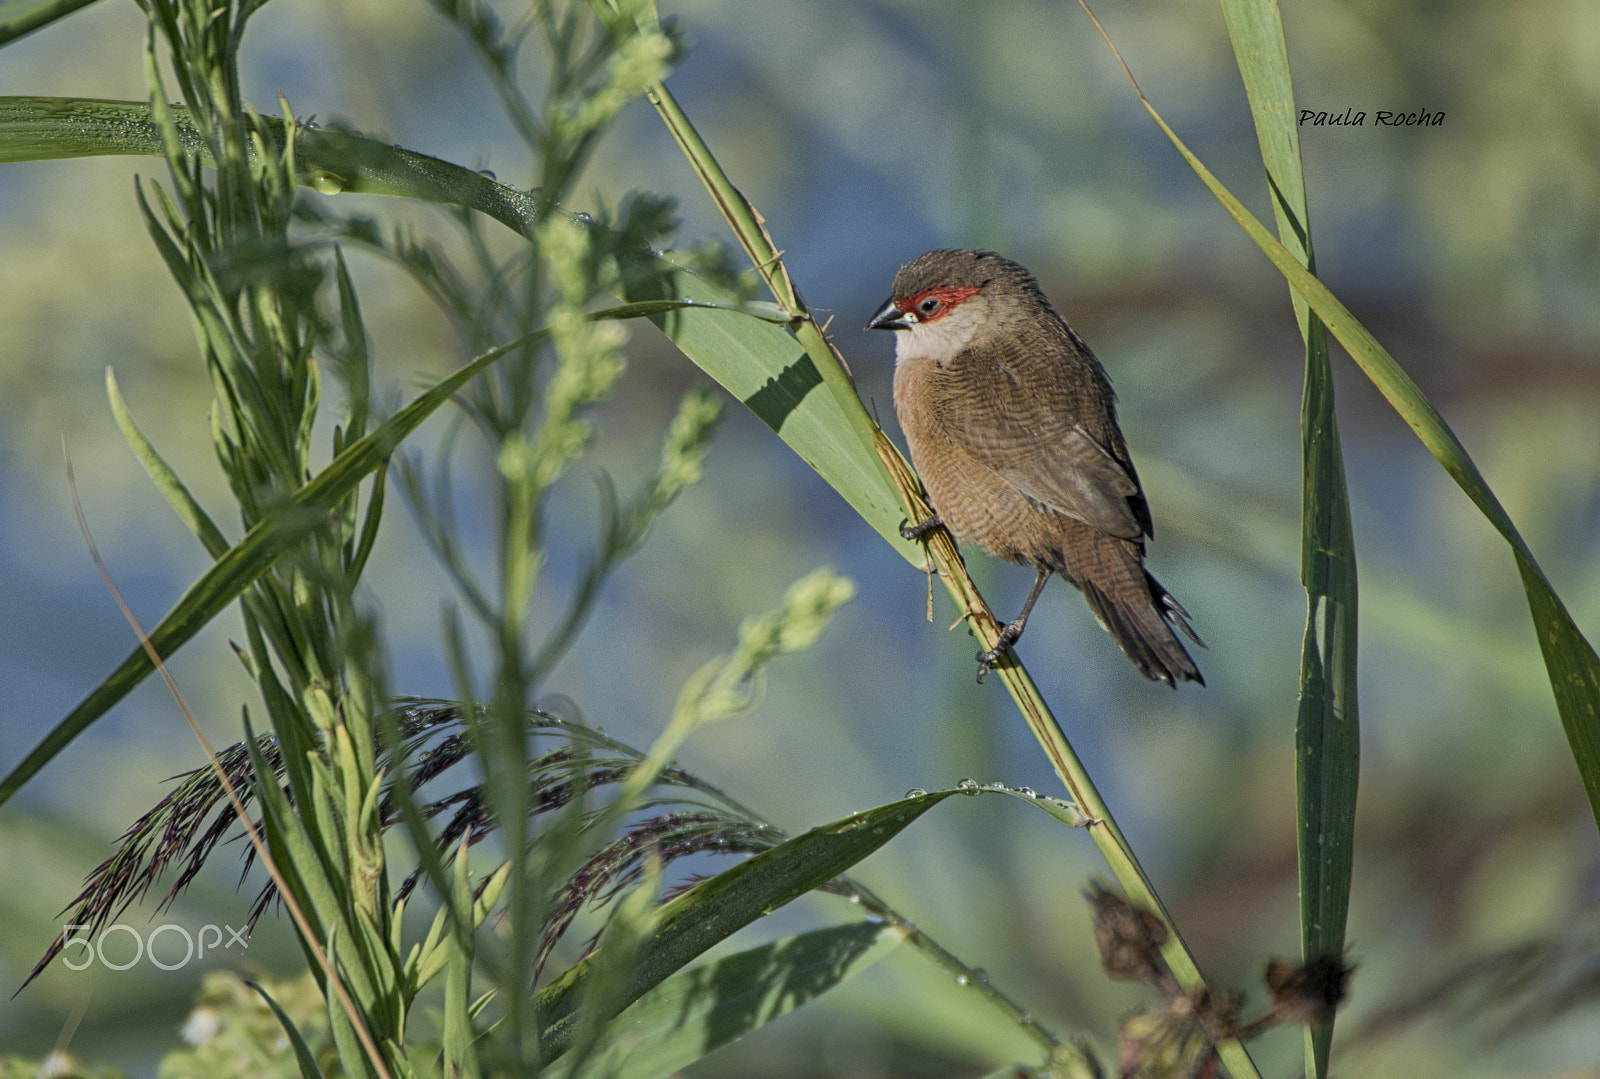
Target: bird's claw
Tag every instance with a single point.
(988, 660)
(920, 529)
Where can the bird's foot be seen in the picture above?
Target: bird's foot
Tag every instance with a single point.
(920, 529)
(1008, 637)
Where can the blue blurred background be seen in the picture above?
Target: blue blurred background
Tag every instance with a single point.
(867, 133)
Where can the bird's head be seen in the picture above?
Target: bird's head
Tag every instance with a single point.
(944, 300)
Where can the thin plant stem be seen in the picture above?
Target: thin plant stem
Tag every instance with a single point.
(745, 222)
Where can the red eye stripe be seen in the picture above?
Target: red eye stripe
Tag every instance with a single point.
(949, 297)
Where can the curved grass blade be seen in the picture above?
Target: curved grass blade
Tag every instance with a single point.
(1327, 729)
(701, 1009)
(23, 17)
(161, 474)
(714, 910)
(1570, 660)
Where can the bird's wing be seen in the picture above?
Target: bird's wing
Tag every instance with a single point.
(1024, 422)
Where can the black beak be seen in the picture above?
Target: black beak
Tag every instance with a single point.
(890, 317)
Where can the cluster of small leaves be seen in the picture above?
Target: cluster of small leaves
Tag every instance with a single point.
(1178, 1035)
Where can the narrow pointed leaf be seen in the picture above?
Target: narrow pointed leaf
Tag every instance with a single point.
(167, 482)
(766, 367)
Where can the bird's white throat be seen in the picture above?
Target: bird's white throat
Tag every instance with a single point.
(940, 340)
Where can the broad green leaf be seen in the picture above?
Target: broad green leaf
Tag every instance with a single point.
(714, 910)
(763, 365)
(705, 1007)
(1327, 731)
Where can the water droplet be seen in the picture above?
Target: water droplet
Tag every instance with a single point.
(488, 174)
(916, 792)
(327, 183)
(968, 785)
(980, 976)
(961, 979)
(1026, 792)
(855, 899)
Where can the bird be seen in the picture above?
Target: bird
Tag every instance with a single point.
(1012, 426)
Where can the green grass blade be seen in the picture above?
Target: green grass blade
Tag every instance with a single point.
(1327, 729)
(694, 921)
(167, 482)
(23, 17)
(459, 1051)
(698, 1010)
(1570, 660)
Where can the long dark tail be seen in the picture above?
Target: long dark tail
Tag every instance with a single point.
(1139, 614)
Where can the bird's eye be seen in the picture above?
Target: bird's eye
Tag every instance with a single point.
(928, 305)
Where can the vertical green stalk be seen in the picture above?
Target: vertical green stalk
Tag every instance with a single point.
(259, 316)
(1327, 728)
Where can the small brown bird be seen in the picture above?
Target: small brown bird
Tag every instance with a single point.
(1012, 425)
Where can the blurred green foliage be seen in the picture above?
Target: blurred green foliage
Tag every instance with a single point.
(867, 133)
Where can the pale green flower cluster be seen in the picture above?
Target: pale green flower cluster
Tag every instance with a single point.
(639, 62)
(732, 684)
(588, 353)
